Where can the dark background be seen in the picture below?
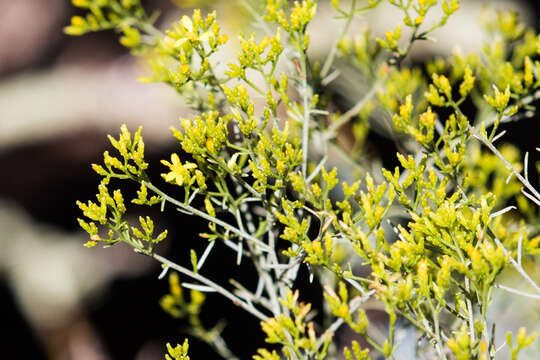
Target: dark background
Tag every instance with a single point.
(43, 175)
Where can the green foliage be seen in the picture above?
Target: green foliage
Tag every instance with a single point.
(109, 210)
(257, 152)
(126, 16)
(522, 341)
(175, 304)
(179, 352)
(297, 337)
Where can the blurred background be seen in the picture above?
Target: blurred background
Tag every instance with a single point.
(59, 97)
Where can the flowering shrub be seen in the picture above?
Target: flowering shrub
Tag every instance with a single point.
(435, 232)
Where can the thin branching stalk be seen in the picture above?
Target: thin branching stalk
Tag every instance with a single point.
(235, 300)
(205, 216)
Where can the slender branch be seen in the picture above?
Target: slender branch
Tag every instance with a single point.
(494, 150)
(516, 291)
(249, 296)
(439, 344)
(534, 192)
(219, 289)
(258, 262)
(352, 112)
(220, 346)
(260, 21)
(516, 266)
(307, 118)
(331, 56)
(205, 216)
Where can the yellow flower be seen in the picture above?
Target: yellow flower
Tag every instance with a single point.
(179, 173)
(190, 32)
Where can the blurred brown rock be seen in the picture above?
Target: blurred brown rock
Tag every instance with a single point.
(28, 28)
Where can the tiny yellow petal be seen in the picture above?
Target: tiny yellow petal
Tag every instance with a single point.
(180, 42)
(205, 36)
(90, 244)
(179, 180)
(187, 23)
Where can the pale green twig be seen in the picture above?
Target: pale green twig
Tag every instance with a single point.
(517, 266)
(219, 289)
(333, 51)
(205, 216)
(519, 292)
(494, 150)
(352, 112)
(307, 118)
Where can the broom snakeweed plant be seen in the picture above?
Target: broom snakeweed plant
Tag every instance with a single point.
(435, 233)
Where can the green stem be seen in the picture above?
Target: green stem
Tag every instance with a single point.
(330, 59)
(438, 340)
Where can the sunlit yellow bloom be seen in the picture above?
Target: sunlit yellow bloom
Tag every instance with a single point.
(179, 173)
(190, 33)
